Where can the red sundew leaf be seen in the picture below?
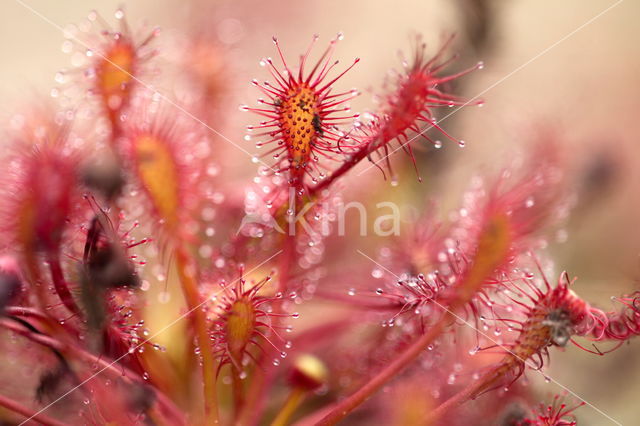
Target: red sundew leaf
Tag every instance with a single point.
(117, 59)
(161, 150)
(302, 116)
(41, 185)
(417, 93)
(241, 317)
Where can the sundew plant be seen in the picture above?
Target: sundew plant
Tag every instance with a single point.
(191, 235)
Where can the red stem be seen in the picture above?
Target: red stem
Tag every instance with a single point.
(344, 168)
(288, 262)
(343, 408)
(116, 370)
(33, 269)
(28, 413)
(200, 327)
(461, 397)
(262, 381)
(42, 319)
(61, 286)
(253, 400)
(23, 311)
(237, 389)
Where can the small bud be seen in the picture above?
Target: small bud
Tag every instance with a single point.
(308, 373)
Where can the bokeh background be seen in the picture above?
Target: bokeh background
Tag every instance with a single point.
(569, 66)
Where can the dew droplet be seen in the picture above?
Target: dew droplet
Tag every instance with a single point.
(164, 297)
(529, 202)
(67, 46)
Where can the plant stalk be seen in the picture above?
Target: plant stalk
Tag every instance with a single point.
(103, 365)
(260, 382)
(28, 413)
(467, 393)
(237, 389)
(343, 408)
(61, 286)
(199, 323)
(344, 168)
(293, 401)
